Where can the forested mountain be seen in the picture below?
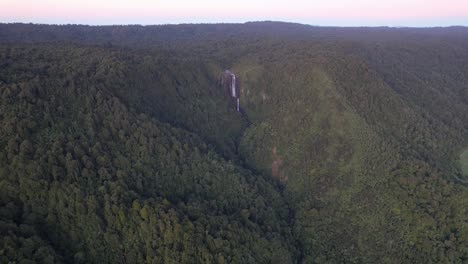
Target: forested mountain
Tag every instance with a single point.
(119, 144)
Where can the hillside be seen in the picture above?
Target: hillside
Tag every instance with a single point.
(120, 145)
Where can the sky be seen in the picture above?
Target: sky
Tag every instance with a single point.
(413, 13)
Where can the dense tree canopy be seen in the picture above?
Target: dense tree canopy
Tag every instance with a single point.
(120, 145)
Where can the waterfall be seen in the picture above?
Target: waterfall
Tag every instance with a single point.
(233, 85)
(232, 89)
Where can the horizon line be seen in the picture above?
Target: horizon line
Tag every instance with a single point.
(227, 23)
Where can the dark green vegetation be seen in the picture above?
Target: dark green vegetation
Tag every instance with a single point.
(118, 144)
(464, 162)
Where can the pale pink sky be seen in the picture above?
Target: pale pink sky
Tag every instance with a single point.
(319, 12)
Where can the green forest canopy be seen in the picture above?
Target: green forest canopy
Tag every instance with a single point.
(119, 145)
(464, 162)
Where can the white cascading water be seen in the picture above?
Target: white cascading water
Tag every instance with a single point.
(233, 89)
(233, 85)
